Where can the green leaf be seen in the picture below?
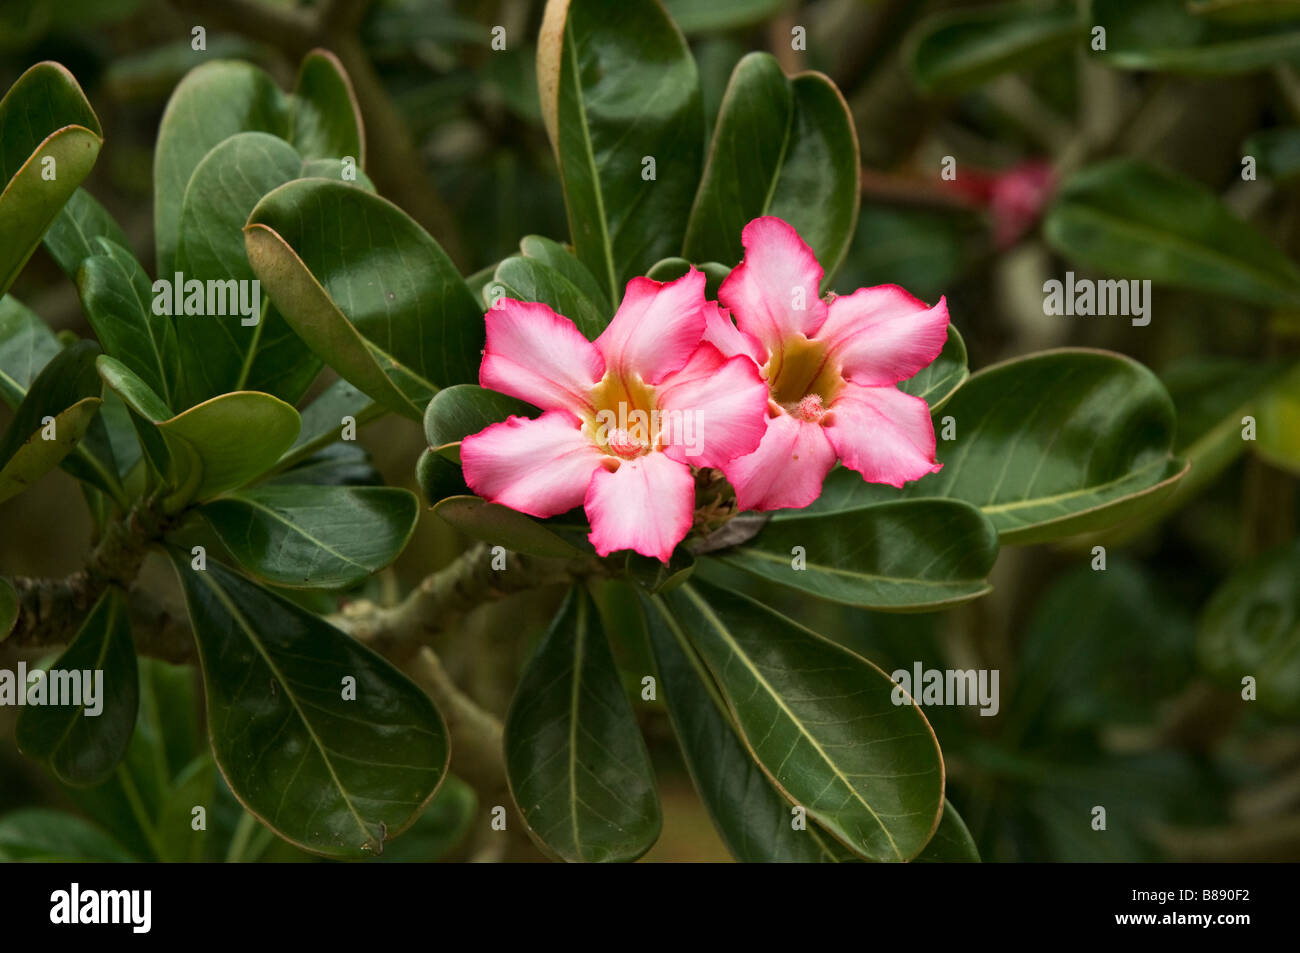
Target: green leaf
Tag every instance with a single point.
(577, 765)
(751, 816)
(66, 394)
(46, 835)
(951, 843)
(26, 345)
(367, 289)
(1168, 35)
(9, 606)
(325, 120)
(527, 279)
(1276, 152)
(596, 63)
(314, 537)
(444, 824)
(70, 239)
(82, 747)
(503, 526)
(334, 776)
(819, 720)
(213, 102)
(1251, 628)
(49, 140)
(906, 555)
(456, 412)
(118, 300)
(938, 381)
(1246, 11)
(1057, 443)
(693, 17)
(956, 51)
(439, 477)
(1278, 438)
(784, 147)
(1129, 218)
(561, 258)
(222, 351)
(670, 269)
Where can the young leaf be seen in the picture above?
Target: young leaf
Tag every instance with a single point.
(53, 417)
(82, 746)
(49, 140)
(317, 537)
(324, 119)
(819, 720)
(784, 147)
(70, 239)
(1129, 218)
(367, 289)
(577, 765)
(906, 555)
(628, 161)
(320, 738)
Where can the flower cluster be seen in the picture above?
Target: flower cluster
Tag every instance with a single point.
(771, 384)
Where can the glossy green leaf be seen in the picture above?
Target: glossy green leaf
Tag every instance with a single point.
(445, 823)
(49, 140)
(61, 403)
(784, 147)
(367, 289)
(229, 348)
(1057, 443)
(1251, 628)
(906, 555)
(331, 775)
(596, 64)
(670, 269)
(951, 843)
(752, 817)
(503, 526)
(81, 743)
(9, 606)
(325, 120)
(577, 765)
(324, 420)
(343, 463)
(938, 381)
(218, 431)
(819, 720)
(70, 239)
(527, 279)
(456, 412)
(1128, 218)
(118, 300)
(561, 259)
(439, 477)
(314, 537)
(1169, 35)
(47, 835)
(955, 51)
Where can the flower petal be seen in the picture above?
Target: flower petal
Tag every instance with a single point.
(774, 293)
(722, 333)
(787, 469)
(883, 335)
(884, 434)
(647, 504)
(714, 409)
(540, 467)
(656, 328)
(539, 356)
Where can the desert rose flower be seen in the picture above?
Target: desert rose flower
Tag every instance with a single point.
(625, 417)
(831, 368)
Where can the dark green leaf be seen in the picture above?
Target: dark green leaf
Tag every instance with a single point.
(456, 412)
(46, 835)
(577, 765)
(938, 381)
(561, 258)
(951, 843)
(1276, 152)
(503, 526)
(527, 279)
(70, 239)
(717, 15)
(1168, 35)
(325, 120)
(334, 776)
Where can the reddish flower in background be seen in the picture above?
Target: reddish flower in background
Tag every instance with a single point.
(831, 369)
(626, 417)
(1015, 197)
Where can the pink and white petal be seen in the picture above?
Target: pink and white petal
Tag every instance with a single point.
(722, 333)
(647, 505)
(656, 327)
(712, 410)
(539, 356)
(540, 467)
(774, 293)
(883, 335)
(787, 469)
(884, 434)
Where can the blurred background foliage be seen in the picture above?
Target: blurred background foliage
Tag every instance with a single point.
(1115, 691)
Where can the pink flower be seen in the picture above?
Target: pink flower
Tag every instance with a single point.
(626, 417)
(831, 368)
